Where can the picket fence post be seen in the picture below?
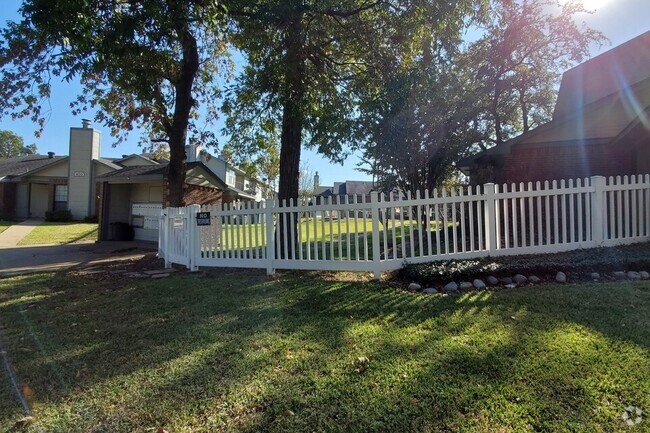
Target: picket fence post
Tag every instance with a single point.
(270, 236)
(163, 236)
(647, 205)
(376, 259)
(489, 194)
(190, 228)
(598, 210)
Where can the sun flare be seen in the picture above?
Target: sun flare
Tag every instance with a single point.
(591, 4)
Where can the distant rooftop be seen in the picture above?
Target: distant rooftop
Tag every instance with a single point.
(24, 164)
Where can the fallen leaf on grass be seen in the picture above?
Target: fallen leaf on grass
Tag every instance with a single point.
(22, 423)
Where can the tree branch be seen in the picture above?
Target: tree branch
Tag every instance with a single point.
(348, 14)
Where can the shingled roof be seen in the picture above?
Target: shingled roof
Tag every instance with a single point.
(149, 172)
(22, 165)
(138, 171)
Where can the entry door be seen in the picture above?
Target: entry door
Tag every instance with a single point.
(38, 200)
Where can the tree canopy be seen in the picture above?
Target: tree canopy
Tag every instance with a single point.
(520, 58)
(310, 64)
(394, 78)
(149, 64)
(474, 95)
(12, 145)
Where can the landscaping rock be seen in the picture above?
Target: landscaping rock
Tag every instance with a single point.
(159, 275)
(430, 291)
(479, 284)
(466, 285)
(519, 279)
(620, 275)
(594, 276)
(560, 277)
(137, 275)
(414, 287)
(451, 287)
(644, 275)
(492, 280)
(534, 279)
(510, 286)
(506, 280)
(631, 275)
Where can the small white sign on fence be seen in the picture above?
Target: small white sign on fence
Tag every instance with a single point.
(178, 223)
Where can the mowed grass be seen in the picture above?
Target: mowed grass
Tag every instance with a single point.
(60, 233)
(301, 353)
(329, 238)
(4, 225)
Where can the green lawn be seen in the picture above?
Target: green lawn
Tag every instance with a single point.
(351, 233)
(60, 233)
(302, 353)
(4, 225)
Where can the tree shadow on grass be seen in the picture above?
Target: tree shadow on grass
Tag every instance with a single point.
(245, 353)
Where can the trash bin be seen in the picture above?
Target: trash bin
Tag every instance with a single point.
(121, 232)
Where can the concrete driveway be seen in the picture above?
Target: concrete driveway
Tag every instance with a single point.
(26, 259)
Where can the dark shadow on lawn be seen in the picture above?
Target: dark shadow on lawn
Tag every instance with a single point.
(243, 326)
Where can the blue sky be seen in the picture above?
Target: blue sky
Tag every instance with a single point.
(619, 20)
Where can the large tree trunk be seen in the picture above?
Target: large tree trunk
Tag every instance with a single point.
(524, 108)
(498, 133)
(292, 123)
(177, 129)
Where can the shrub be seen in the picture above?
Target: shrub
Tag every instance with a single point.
(91, 219)
(629, 257)
(58, 216)
(7, 216)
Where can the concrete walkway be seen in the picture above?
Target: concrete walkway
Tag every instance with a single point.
(15, 233)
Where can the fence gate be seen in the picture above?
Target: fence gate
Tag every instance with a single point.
(175, 235)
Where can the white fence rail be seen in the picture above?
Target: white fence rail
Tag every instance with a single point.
(381, 233)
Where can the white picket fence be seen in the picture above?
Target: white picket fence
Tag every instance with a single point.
(382, 233)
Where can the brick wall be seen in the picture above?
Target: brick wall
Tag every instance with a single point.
(202, 195)
(194, 194)
(547, 161)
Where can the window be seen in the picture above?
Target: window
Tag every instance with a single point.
(231, 178)
(60, 197)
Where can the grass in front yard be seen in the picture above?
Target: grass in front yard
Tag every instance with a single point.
(60, 233)
(4, 225)
(334, 239)
(299, 352)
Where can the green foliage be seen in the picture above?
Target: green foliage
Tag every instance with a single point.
(525, 48)
(423, 126)
(311, 66)
(146, 64)
(578, 262)
(438, 109)
(58, 216)
(12, 145)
